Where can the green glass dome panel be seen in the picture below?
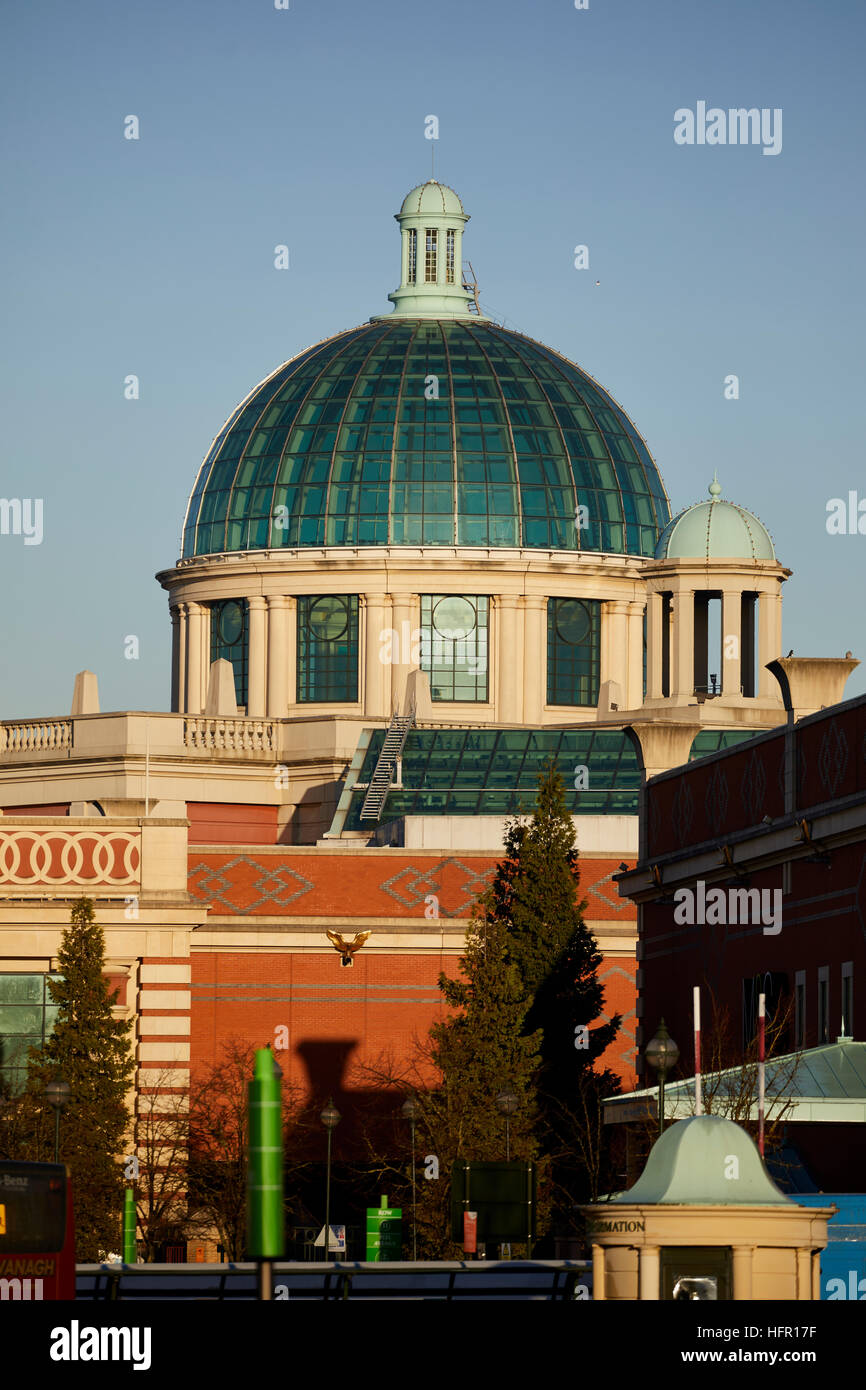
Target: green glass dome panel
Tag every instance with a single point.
(417, 432)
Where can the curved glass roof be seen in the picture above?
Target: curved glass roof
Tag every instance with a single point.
(350, 444)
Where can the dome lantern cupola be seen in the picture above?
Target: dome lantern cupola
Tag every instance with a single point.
(715, 530)
(714, 608)
(431, 275)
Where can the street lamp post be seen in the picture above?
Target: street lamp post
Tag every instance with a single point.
(662, 1054)
(57, 1093)
(330, 1118)
(408, 1113)
(506, 1104)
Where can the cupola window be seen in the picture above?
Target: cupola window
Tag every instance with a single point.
(449, 256)
(412, 271)
(432, 239)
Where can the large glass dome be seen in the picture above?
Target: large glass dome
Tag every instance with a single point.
(442, 432)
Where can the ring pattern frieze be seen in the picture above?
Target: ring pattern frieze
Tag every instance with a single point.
(62, 857)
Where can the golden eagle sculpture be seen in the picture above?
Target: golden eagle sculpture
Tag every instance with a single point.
(347, 949)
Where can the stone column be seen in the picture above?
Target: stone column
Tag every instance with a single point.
(278, 657)
(731, 665)
(633, 693)
(508, 660)
(649, 1273)
(292, 646)
(256, 655)
(183, 640)
(614, 643)
(195, 643)
(377, 673)
(458, 257)
(742, 1261)
(769, 641)
(804, 1275)
(683, 645)
(816, 1276)
(404, 622)
(599, 1291)
(175, 648)
(534, 658)
(654, 646)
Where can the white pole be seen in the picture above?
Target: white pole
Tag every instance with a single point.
(699, 1105)
(762, 1009)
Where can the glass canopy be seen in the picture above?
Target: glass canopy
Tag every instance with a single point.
(478, 772)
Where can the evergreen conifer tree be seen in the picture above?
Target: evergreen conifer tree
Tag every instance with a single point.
(91, 1051)
(481, 1050)
(485, 1048)
(534, 898)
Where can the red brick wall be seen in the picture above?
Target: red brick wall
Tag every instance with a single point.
(823, 908)
(367, 884)
(822, 924)
(344, 1019)
(213, 823)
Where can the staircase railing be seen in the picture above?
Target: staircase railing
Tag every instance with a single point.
(383, 773)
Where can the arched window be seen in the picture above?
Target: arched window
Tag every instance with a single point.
(328, 648)
(573, 651)
(228, 641)
(454, 646)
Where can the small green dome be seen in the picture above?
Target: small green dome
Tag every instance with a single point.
(705, 1160)
(715, 530)
(433, 196)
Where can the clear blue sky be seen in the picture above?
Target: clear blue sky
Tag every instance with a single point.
(306, 127)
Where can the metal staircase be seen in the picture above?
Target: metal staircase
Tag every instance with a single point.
(383, 773)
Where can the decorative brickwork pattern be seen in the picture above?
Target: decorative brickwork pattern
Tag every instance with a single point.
(57, 858)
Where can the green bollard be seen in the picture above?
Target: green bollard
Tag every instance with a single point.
(130, 1251)
(265, 1232)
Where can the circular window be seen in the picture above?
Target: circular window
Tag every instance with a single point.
(454, 617)
(328, 618)
(572, 621)
(230, 623)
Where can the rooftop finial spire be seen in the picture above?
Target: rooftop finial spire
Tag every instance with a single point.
(715, 487)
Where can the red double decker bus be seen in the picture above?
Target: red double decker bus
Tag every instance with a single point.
(37, 1232)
